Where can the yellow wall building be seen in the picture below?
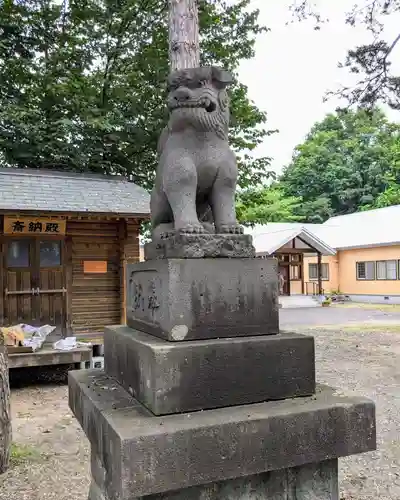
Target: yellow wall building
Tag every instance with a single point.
(357, 255)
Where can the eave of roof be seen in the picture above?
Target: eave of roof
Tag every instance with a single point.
(280, 238)
(35, 190)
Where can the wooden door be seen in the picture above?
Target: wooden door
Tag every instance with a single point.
(19, 281)
(284, 280)
(34, 288)
(50, 291)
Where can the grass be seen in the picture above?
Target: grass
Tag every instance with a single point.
(376, 307)
(389, 328)
(359, 327)
(21, 453)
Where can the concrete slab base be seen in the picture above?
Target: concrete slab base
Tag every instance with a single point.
(136, 454)
(177, 377)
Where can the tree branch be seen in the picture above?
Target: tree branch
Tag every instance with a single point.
(391, 48)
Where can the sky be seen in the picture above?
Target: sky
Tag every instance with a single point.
(295, 65)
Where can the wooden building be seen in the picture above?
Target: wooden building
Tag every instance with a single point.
(65, 241)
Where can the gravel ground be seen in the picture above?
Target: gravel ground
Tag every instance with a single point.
(52, 461)
(367, 363)
(51, 455)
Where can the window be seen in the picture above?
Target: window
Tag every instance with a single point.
(386, 270)
(295, 272)
(283, 257)
(50, 253)
(313, 271)
(18, 253)
(365, 270)
(380, 270)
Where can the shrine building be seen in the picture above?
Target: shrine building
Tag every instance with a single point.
(65, 241)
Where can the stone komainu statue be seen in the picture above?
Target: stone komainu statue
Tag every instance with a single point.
(195, 184)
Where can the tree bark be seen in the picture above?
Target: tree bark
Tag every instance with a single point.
(5, 413)
(184, 50)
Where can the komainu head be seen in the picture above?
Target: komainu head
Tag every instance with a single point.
(197, 98)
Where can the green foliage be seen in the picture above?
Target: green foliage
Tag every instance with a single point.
(378, 79)
(82, 84)
(391, 196)
(344, 164)
(266, 204)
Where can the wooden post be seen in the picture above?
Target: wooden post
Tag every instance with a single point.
(122, 237)
(5, 412)
(184, 50)
(68, 285)
(319, 270)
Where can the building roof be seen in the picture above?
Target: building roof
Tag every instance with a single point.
(54, 191)
(373, 228)
(269, 238)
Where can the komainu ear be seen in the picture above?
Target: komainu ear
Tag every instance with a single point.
(223, 99)
(222, 77)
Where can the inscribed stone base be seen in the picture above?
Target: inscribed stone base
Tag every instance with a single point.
(200, 246)
(143, 455)
(194, 299)
(311, 481)
(177, 377)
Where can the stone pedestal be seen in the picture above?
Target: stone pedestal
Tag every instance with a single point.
(136, 455)
(200, 246)
(202, 397)
(307, 482)
(193, 299)
(177, 377)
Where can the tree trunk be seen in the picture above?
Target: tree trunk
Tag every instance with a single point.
(5, 414)
(184, 50)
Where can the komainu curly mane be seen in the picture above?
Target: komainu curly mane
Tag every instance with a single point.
(197, 170)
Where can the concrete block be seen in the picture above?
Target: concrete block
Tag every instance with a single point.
(147, 455)
(193, 299)
(177, 377)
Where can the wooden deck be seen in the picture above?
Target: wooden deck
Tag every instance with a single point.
(48, 357)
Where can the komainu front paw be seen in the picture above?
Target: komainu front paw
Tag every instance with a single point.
(191, 229)
(230, 229)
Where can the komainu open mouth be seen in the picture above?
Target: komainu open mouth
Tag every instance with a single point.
(211, 107)
(204, 103)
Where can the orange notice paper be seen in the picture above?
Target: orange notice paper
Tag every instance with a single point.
(94, 266)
